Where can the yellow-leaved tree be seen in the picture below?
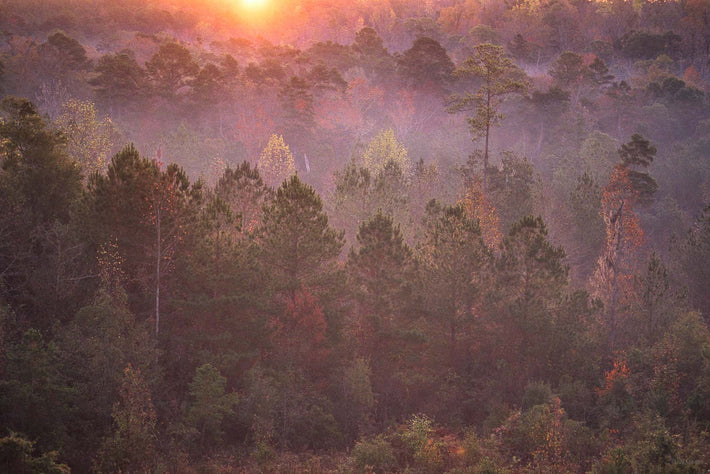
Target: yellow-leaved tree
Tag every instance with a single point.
(89, 137)
(276, 162)
(383, 149)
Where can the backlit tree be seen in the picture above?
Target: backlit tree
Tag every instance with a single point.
(500, 77)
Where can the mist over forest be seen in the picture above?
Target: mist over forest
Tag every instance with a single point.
(463, 236)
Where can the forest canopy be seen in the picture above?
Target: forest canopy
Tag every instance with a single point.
(371, 236)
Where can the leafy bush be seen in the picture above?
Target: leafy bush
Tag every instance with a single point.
(374, 454)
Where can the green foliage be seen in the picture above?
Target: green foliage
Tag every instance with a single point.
(500, 78)
(648, 45)
(513, 188)
(95, 347)
(332, 351)
(295, 239)
(659, 302)
(36, 396)
(382, 271)
(171, 69)
(210, 405)
(284, 408)
(381, 267)
(147, 211)
(375, 454)
(71, 52)
(691, 256)
(639, 153)
(350, 200)
(568, 70)
(537, 438)
(599, 154)
(358, 397)
(119, 82)
(426, 63)
(427, 453)
(371, 54)
(37, 174)
(17, 456)
(531, 266)
(536, 393)
(455, 263)
(244, 190)
(39, 186)
(132, 445)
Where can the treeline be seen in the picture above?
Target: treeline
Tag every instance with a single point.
(208, 99)
(151, 322)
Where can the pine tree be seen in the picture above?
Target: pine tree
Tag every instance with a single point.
(295, 240)
(381, 270)
(455, 263)
(635, 155)
(210, 405)
(500, 78)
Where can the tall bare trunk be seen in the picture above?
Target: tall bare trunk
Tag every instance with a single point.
(157, 274)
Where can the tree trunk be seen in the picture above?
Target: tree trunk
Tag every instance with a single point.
(157, 274)
(485, 149)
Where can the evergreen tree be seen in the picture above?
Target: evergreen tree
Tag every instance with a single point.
(296, 242)
(382, 274)
(39, 185)
(147, 211)
(500, 78)
(426, 63)
(210, 406)
(17, 455)
(171, 70)
(120, 83)
(455, 266)
(635, 155)
(381, 270)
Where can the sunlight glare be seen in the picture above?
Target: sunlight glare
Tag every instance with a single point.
(253, 4)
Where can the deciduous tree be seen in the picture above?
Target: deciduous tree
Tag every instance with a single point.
(624, 237)
(132, 447)
(276, 162)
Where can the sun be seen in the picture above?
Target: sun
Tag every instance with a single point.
(254, 4)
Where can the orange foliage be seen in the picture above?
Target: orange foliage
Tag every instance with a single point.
(478, 207)
(618, 374)
(618, 201)
(692, 76)
(614, 276)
